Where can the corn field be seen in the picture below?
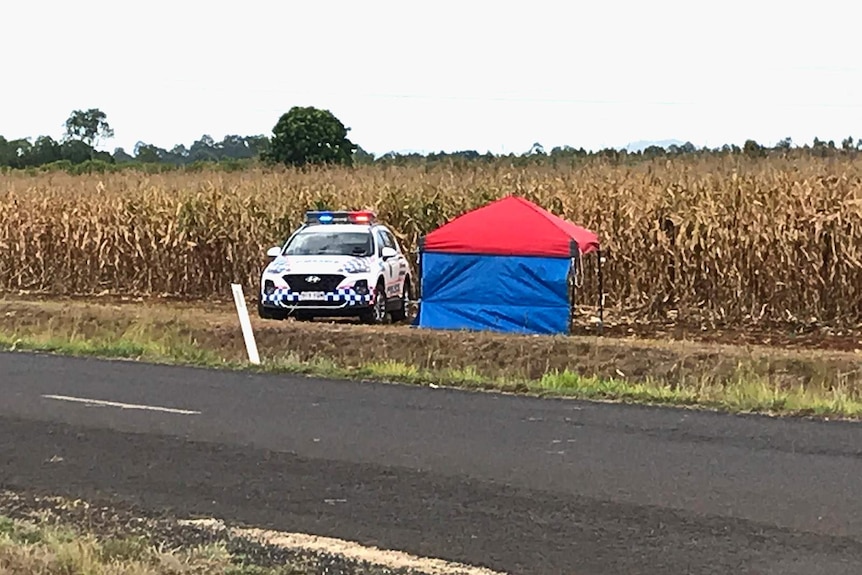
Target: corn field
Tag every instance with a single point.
(725, 238)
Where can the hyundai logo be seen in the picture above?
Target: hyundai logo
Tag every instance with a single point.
(312, 279)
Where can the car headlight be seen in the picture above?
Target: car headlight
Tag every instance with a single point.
(361, 287)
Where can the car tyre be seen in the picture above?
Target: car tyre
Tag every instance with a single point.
(400, 314)
(377, 314)
(268, 313)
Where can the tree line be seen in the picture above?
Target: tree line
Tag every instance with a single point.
(308, 135)
(84, 129)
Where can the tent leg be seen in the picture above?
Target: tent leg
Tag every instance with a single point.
(417, 286)
(417, 290)
(572, 294)
(601, 293)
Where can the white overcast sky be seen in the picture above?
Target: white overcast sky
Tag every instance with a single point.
(444, 75)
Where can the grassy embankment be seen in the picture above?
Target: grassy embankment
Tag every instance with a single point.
(735, 378)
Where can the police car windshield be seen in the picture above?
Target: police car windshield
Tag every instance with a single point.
(330, 244)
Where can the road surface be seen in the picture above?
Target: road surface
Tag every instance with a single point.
(516, 484)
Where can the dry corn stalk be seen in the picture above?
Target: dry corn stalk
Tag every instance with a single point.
(722, 237)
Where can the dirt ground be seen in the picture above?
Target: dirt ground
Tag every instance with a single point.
(616, 325)
(775, 336)
(787, 336)
(623, 350)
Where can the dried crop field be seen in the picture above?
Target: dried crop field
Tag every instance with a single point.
(725, 239)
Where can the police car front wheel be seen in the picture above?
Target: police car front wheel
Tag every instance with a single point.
(377, 313)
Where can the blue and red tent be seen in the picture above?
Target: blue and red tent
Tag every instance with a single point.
(505, 267)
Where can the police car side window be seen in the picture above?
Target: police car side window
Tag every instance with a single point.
(381, 241)
(388, 239)
(393, 241)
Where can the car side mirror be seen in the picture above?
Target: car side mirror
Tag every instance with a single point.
(388, 252)
(273, 252)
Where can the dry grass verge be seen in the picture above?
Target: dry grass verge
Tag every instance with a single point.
(742, 378)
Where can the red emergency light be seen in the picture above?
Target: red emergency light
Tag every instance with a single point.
(328, 217)
(361, 217)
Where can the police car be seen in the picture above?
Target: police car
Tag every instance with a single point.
(338, 263)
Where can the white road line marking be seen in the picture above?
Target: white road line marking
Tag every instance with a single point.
(121, 405)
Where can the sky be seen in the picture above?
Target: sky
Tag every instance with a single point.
(439, 76)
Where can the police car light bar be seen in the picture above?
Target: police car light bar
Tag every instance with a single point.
(328, 217)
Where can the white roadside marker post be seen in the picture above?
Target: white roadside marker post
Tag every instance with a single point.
(245, 323)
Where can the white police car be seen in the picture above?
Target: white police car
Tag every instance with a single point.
(337, 264)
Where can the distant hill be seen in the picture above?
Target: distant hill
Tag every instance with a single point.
(642, 145)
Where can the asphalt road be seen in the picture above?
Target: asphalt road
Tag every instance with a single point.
(516, 484)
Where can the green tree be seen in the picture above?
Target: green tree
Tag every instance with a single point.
(784, 144)
(88, 126)
(752, 148)
(76, 151)
(13, 153)
(44, 151)
(360, 156)
(148, 153)
(307, 135)
(122, 156)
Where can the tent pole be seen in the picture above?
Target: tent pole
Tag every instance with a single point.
(572, 288)
(418, 282)
(574, 270)
(601, 292)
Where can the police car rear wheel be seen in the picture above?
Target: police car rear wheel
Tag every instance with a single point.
(400, 314)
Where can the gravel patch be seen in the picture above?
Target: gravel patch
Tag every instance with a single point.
(303, 554)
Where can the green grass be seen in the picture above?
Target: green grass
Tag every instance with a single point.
(747, 392)
(166, 347)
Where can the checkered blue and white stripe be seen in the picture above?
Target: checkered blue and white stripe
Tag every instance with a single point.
(345, 295)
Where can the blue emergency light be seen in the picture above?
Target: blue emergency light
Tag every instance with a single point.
(329, 217)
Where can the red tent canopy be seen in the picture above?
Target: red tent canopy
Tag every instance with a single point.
(510, 226)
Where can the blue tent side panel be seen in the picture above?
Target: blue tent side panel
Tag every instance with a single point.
(514, 294)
